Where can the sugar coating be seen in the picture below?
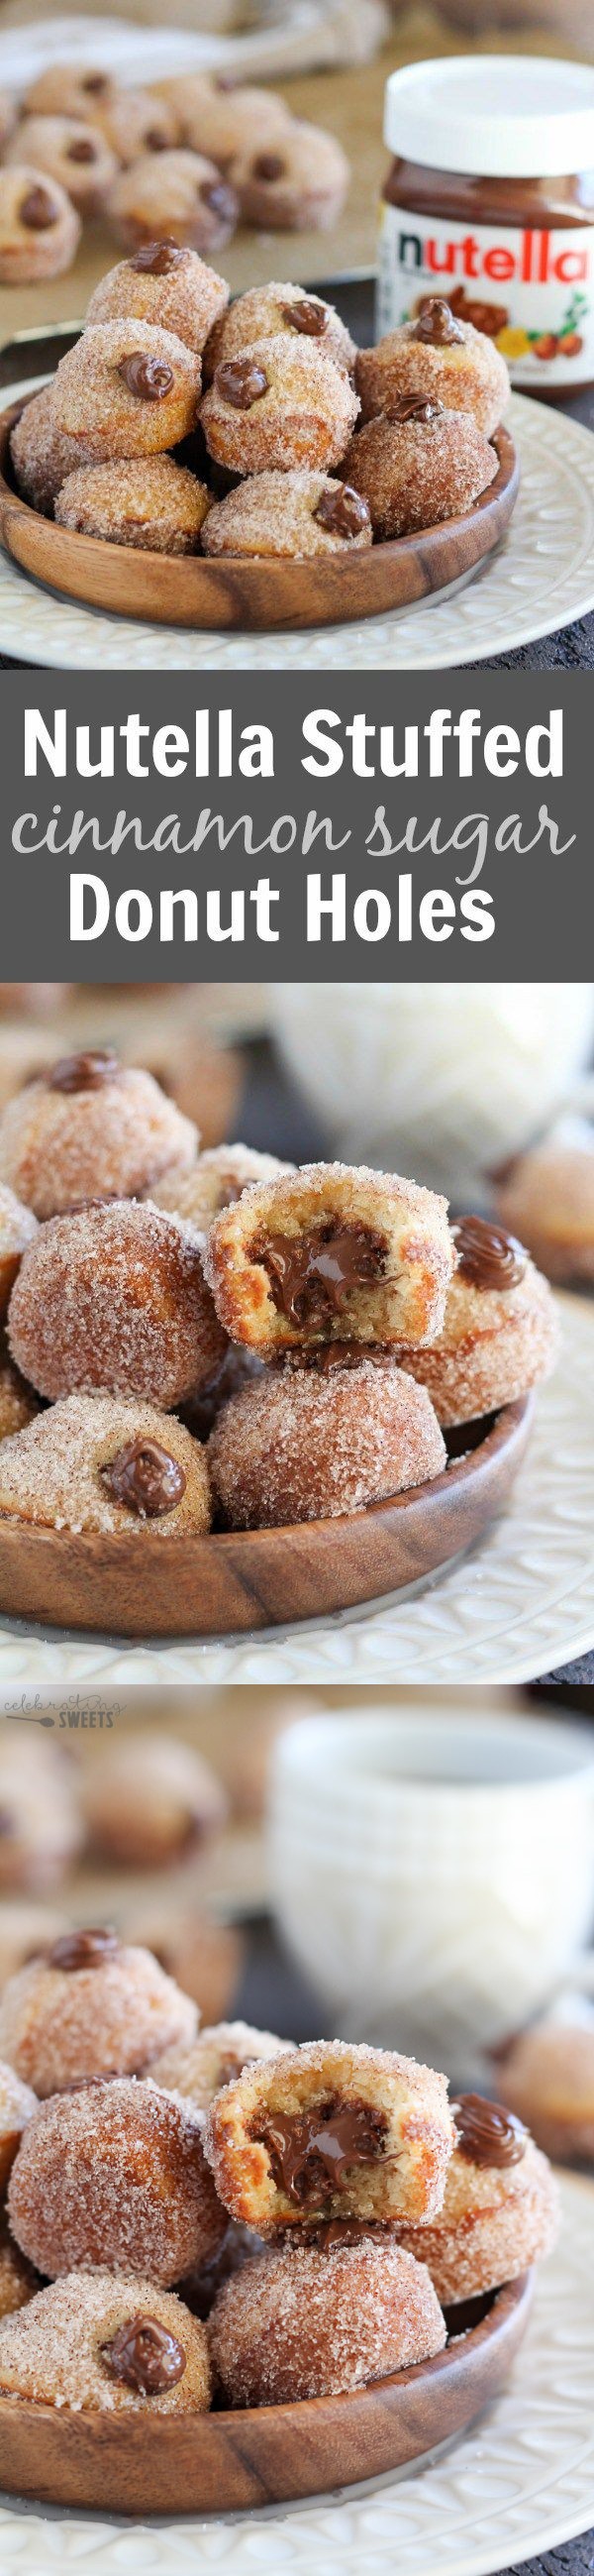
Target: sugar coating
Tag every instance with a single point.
(51, 1472)
(18, 2281)
(547, 2078)
(264, 313)
(491, 1349)
(42, 454)
(149, 503)
(18, 1404)
(467, 374)
(307, 191)
(59, 1147)
(405, 1301)
(217, 1178)
(302, 2323)
(303, 418)
(114, 1297)
(18, 1226)
(414, 474)
(53, 2351)
(297, 1447)
(494, 2223)
(93, 403)
(41, 1828)
(218, 119)
(178, 196)
(17, 2104)
(406, 2179)
(71, 89)
(59, 2026)
(187, 299)
(151, 1800)
(548, 1200)
(115, 2175)
(26, 255)
(215, 2058)
(135, 123)
(73, 152)
(275, 514)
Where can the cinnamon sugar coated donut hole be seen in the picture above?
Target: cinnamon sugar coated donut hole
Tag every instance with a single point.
(278, 404)
(299, 515)
(415, 472)
(90, 2006)
(95, 1462)
(8, 117)
(114, 2174)
(72, 89)
(216, 1180)
(336, 1252)
(75, 154)
(435, 355)
(17, 2104)
(114, 1297)
(39, 226)
(216, 2057)
(295, 181)
(547, 2079)
(548, 1200)
(218, 116)
(18, 2281)
(277, 311)
(127, 389)
(41, 1831)
(18, 1227)
(18, 1404)
(41, 454)
(500, 2209)
(151, 1801)
(178, 195)
(500, 1334)
(136, 123)
(303, 2322)
(300, 1446)
(331, 2131)
(147, 502)
(90, 1128)
(123, 2345)
(165, 284)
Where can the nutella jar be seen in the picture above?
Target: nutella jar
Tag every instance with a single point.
(490, 202)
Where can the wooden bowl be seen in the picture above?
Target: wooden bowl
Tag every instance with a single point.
(192, 590)
(147, 1585)
(220, 2463)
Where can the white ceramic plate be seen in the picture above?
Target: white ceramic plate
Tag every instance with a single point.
(521, 2482)
(519, 1604)
(541, 578)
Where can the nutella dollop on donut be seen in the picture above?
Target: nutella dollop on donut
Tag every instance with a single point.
(38, 210)
(487, 1256)
(307, 315)
(146, 1478)
(82, 149)
(149, 378)
(84, 1072)
(268, 165)
(437, 323)
(145, 2356)
(241, 382)
(343, 511)
(156, 258)
(86, 1949)
(415, 407)
(487, 2134)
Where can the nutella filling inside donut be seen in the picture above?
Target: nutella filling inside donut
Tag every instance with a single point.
(437, 324)
(146, 1478)
(149, 378)
(38, 211)
(88, 1949)
(307, 316)
(311, 2152)
(157, 257)
(487, 1256)
(145, 2356)
(84, 1072)
(241, 382)
(342, 511)
(486, 2133)
(312, 1275)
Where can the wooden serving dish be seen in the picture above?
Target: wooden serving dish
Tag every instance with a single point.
(148, 1585)
(221, 2463)
(192, 590)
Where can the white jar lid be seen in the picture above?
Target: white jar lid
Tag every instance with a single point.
(497, 116)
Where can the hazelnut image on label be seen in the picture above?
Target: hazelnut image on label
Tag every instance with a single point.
(127, 389)
(39, 226)
(279, 404)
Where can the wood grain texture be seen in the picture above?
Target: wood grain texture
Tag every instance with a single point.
(223, 2462)
(202, 591)
(148, 1585)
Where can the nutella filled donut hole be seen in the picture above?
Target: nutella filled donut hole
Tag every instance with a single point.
(295, 181)
(151, 1801)
(294, 515)
(114, 2174)
(98, 1462)
(277, 312)
(216, 1180)
(127, 389)
(72, 89)
(41, 454)
(334, 1253)
(215, 2058)
(547, 2079)
(90, 2006)
(166, 284)
(110, 2344)
(146, 502)
(75, 154)
(419, 464)
(39, 226)
(331, 2131)
(500, 2209)
(279, 404)
(114, 1297)
(135, 123)
(500, 1334)
(220, 116)
(547, 1198)
(17, 2104)
(18, 1228)
(306, 2322)
(179, 196)
(90, 1128)
(41, 1832)
(314, 1444)
(435, 355)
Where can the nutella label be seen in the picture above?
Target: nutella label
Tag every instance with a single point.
(532, 290)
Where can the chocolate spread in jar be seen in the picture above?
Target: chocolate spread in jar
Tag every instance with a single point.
(486, 2133)
(313, 1274)
(310, 2152)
